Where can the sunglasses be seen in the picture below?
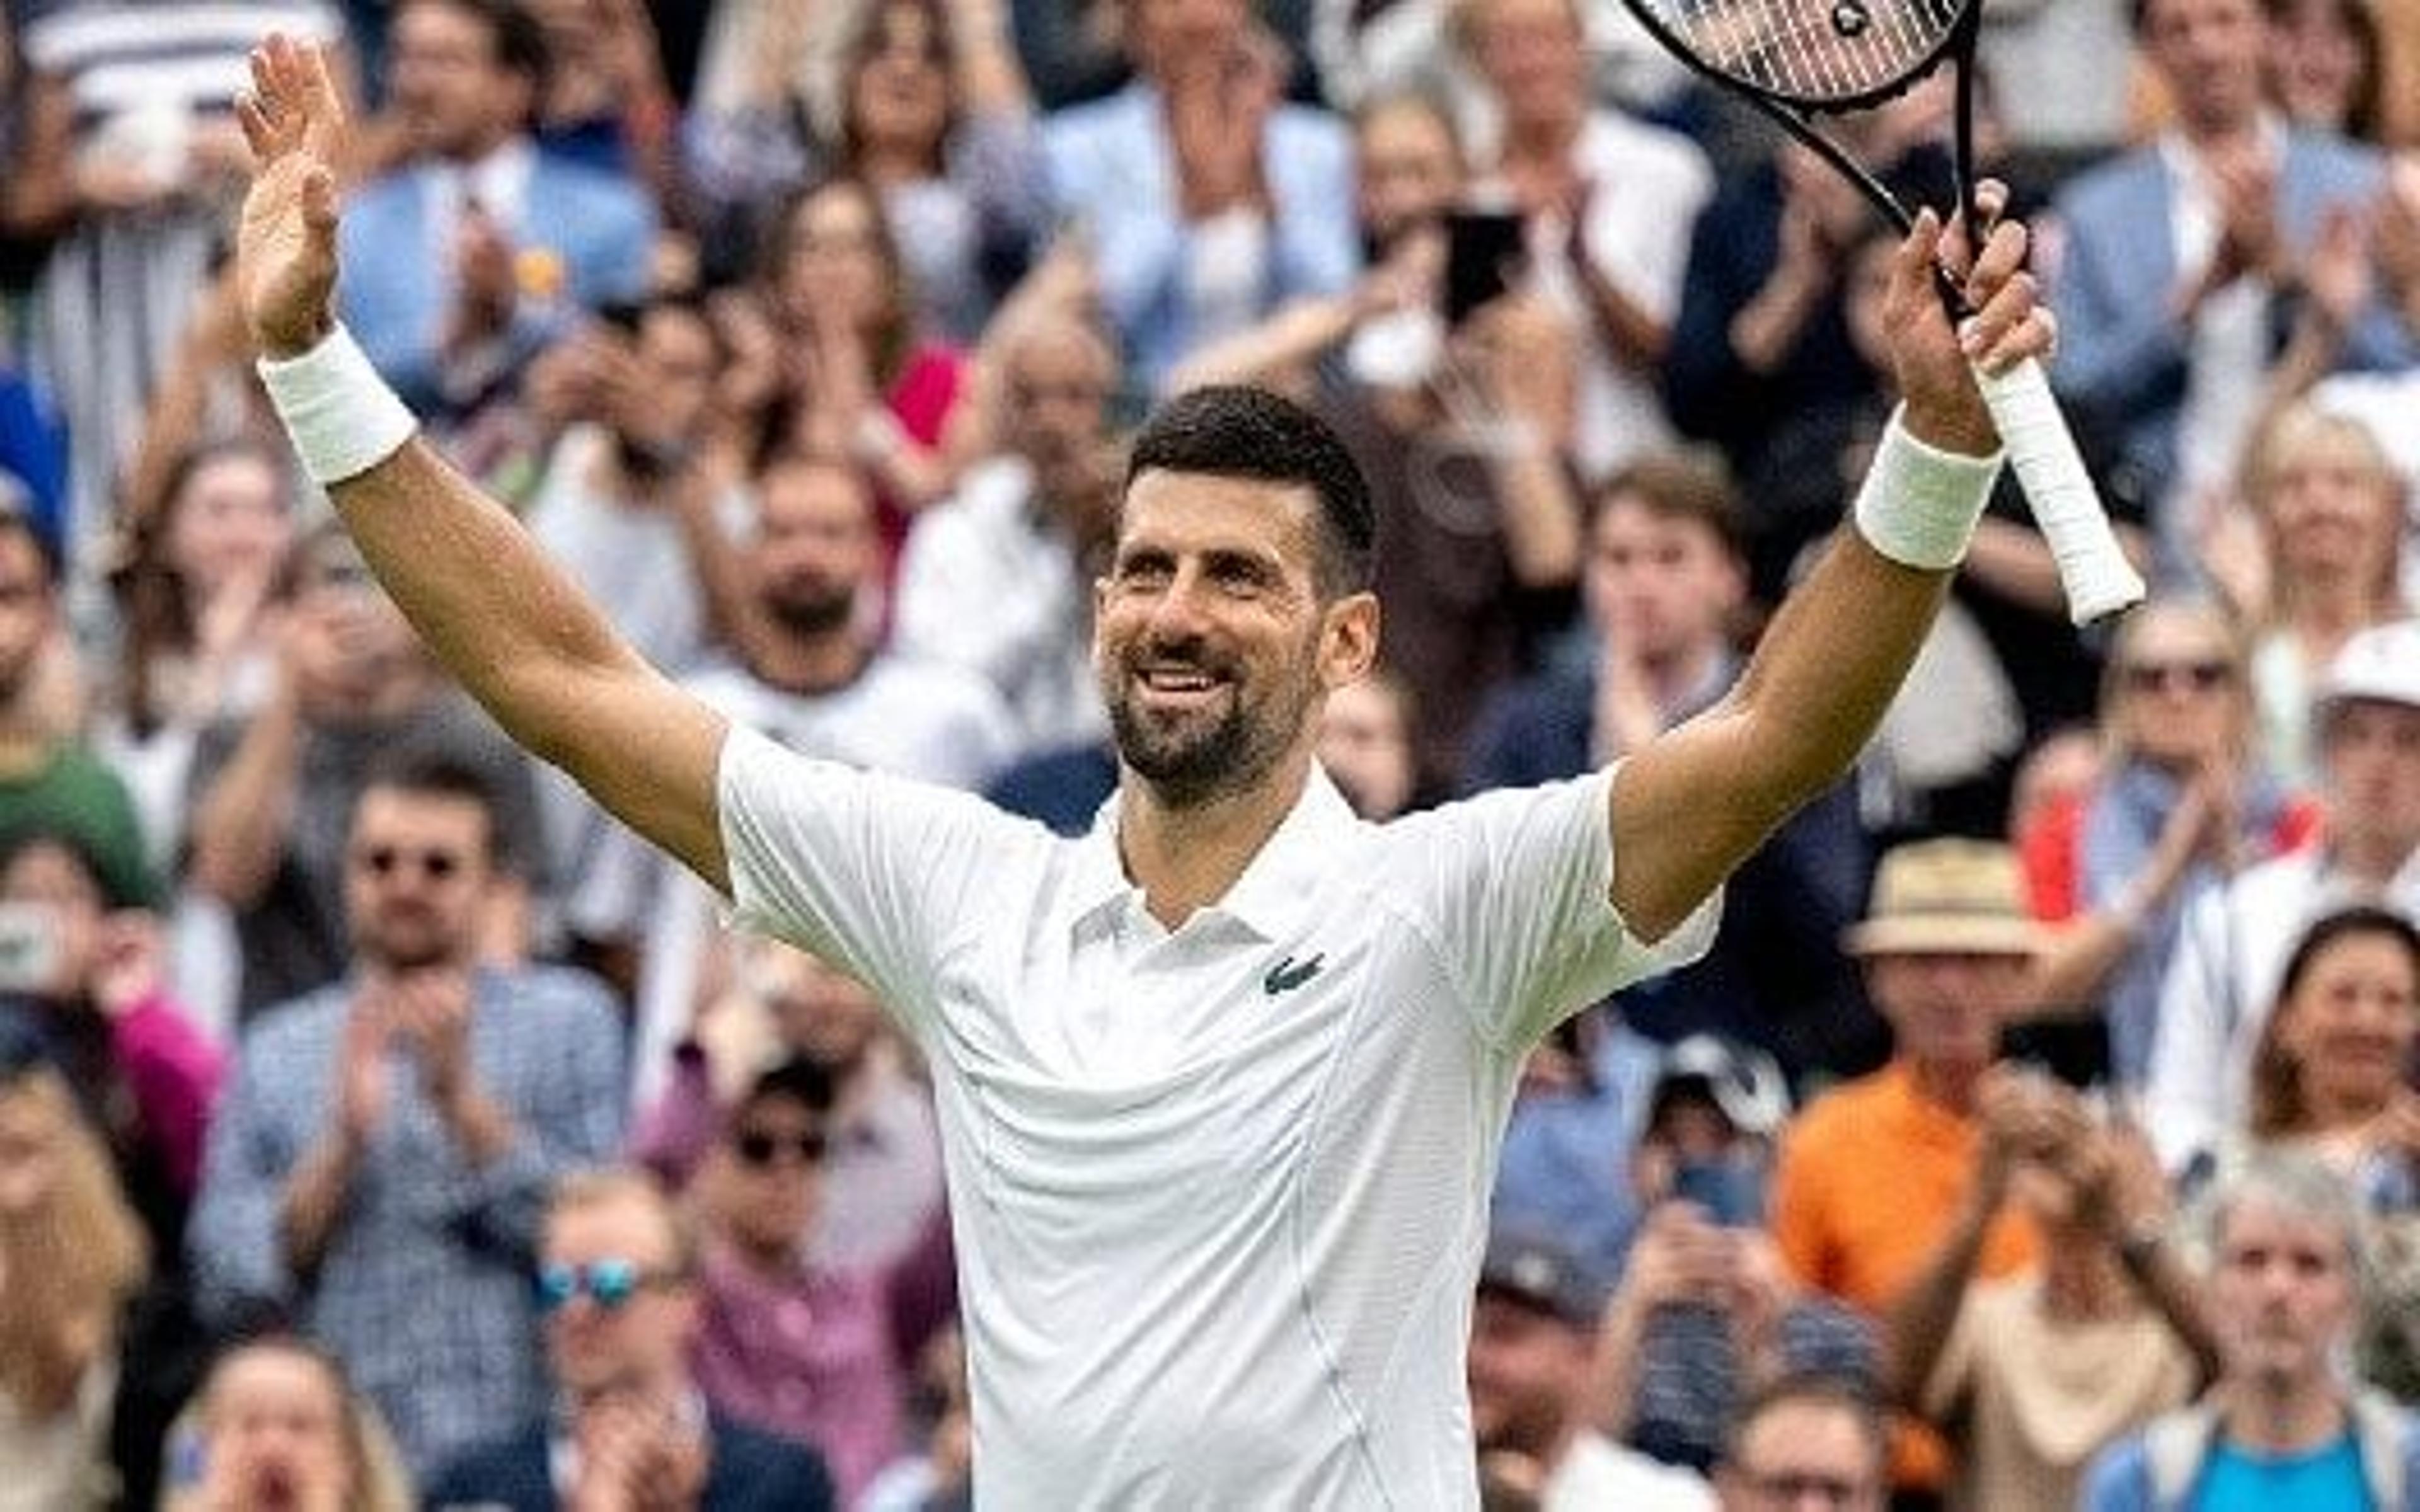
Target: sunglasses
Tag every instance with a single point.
(759, 1149)
(383, 862)
(608, 1283)
(2197, 676)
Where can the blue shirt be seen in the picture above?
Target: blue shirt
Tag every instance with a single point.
(2327, 1479)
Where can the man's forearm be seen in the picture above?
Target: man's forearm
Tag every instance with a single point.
(1922, 1319)
(314, 1200)
(239, 825)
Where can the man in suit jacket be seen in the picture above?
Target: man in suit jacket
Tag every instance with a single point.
(461, 262)
(618, 1284)
(2180, 258)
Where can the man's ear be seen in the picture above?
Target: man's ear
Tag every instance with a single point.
(1348, 639)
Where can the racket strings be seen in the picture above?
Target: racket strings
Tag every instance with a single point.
(1813, 51)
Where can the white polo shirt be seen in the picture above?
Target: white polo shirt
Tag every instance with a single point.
(1219, 1194)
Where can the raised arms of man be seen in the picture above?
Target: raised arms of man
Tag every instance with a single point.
(1691, 806)
(514, 631)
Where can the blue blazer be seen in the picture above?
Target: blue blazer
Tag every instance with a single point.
(749, 1472)
(398, 283)
(2122, 360)
(1113, 170)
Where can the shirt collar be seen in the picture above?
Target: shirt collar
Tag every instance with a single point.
(1273, 888)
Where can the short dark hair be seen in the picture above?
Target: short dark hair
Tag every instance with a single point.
(516, 38)
(798, 1079)
(1226, 430)
(1679, 484)
(436, 774)
(1813, 1388)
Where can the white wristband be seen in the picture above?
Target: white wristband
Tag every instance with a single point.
(1919, 503)
(343, 417)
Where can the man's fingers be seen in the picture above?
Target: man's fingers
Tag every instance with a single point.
(2004, 254)
(1917, 251)
(327, 105)
(319, 206)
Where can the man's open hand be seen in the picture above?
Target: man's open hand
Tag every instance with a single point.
(285, 247)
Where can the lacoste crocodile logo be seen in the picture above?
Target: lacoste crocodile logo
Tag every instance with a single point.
(1289, 974)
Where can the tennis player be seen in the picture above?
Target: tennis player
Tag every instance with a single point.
(1221, 1083)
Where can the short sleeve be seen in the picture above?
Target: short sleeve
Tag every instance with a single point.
(879, 875)
(1516, 886)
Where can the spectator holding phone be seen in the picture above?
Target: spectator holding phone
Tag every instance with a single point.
(2026, 1376)
(1532, 1334)
(1706, 1309)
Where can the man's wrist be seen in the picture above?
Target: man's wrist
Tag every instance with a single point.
(342, 418)
(1921, 499)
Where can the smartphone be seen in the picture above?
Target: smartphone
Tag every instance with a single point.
(1484, 253)
(29, 947)
(1731, 1191)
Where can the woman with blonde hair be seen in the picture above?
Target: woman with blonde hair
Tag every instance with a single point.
(2184, 801)
(72, 1254)
(2321, 559)
(277, 1426)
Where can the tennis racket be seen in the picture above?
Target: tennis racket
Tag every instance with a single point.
(1796, 59)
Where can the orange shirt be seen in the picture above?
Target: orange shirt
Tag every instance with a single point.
(1869, 1176)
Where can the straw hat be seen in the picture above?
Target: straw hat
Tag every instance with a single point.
(1948, 897)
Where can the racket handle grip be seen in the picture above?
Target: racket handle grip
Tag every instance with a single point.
(2092, 569)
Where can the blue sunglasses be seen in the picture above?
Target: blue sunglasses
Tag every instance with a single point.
(608, 1283)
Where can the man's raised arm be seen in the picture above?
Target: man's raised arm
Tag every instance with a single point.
(503, 619)
(1690, 806)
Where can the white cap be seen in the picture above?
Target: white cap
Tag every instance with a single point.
(2379, 665)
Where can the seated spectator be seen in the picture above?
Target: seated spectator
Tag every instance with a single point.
(785, 1343)
(2282, 1427)
(1210, 202)
(2222, 978)
(521, 235)
(618, 1278)
(1706, 1311)
(276, 1425)
(2316, 556)
(376, 1167)
(2027, 1376)
(878, 1188)
(1947, 946)
(1806, 1438)
(2184, 801)
(272, 790)
(2331, 1078)
(1663, 584)
(72, 1256)
(1532, 1334)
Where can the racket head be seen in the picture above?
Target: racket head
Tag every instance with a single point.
(1823, 57)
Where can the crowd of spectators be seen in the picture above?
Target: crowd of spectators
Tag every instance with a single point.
(381, 1124)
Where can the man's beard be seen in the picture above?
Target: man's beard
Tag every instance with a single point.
(1190, 765)
(811, 612)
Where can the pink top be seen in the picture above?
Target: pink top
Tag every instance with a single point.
(173, 1071)
(809, 1356)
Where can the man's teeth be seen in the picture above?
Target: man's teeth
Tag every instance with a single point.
(1188, 682)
